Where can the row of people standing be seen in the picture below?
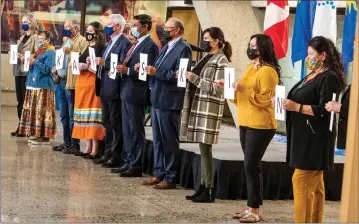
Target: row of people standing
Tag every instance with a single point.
(123, 101)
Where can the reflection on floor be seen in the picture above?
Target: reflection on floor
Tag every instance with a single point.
(38, 185)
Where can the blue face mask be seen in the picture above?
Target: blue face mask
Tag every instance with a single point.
(134, 32)
(25, 26)
(67, 33)
(40, 43)
(109, 30)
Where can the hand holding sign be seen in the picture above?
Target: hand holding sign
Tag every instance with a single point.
(75, 63)
(92, 58)
(113, 71)
(142, 74)
(59, 59)
(13, 54)
(27, 61)
(181, 78)
(278, 103)
(229, 77)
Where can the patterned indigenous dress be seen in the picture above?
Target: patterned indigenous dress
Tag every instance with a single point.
(88, 112)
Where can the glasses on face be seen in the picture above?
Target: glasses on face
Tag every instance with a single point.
(169, 28)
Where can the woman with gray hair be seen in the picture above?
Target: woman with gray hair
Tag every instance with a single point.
(27, 42)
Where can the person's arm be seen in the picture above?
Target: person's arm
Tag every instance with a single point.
(211, 87)
(170, 75)
(46, 66)
(266, 83)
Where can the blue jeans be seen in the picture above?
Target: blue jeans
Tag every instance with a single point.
(67, 100)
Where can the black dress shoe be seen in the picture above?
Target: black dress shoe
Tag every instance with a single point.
(132, 173)
(111, 164)
(89, 156)
(15, 132)
(81, 154)
(101, 160)
(207, 196)
(197, 193)
(120, 170)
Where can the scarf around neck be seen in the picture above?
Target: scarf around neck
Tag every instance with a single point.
(43, 50)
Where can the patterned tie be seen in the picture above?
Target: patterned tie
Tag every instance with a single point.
(129, 53)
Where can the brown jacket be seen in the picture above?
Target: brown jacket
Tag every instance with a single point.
(30, 45)
(78, 44)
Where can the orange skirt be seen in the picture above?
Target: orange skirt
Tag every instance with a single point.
(87, 111)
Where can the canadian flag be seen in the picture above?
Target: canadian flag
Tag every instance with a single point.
(276, 25)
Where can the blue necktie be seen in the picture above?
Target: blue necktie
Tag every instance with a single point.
(107, 49)
(160, 57)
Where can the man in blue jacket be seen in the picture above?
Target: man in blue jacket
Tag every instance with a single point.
(109, 93)
(133, 96)
(167, 102)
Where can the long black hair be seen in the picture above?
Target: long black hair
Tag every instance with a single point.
(100, 36)
(332, 60)
(265, 47)
(217, 34)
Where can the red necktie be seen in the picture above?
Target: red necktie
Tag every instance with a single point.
(129, 53)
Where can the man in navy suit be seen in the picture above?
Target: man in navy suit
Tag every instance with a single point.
(133, 96)
(167, 102)
(109, 93)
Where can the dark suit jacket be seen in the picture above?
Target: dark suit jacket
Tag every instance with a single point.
(132, 89)
(165, 94)
(343, 120)
(110, 87)
(310, 143)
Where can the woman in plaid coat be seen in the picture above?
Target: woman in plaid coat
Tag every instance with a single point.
(203, 106)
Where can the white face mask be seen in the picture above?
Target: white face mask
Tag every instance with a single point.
(134, 32)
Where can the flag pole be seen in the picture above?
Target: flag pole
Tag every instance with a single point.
(302, 73)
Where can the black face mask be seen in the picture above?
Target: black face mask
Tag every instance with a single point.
(252, 54)
(167, 36)
(206, 46)
(90, 36)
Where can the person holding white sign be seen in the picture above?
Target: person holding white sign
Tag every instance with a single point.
(88, 112)
(310, 143)
(72, 42)
(26, 43)
(256, 121)
(201, 117)
(167, 103)
(133, 91)
(38, 117)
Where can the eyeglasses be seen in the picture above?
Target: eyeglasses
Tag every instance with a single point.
(169, 27)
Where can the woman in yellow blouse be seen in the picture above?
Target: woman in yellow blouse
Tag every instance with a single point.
(254, 92)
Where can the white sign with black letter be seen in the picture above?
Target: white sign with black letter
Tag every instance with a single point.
(181, 78)
(13, 54)
(92, 58)
(332, 114)
(142, 75)
(60, 59)
(27, 61)
(279, 98)
(229, 78)
(75, 63)
(113, 71)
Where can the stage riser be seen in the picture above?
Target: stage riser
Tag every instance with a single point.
(230, 179)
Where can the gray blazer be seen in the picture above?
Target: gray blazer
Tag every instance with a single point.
(30, 45)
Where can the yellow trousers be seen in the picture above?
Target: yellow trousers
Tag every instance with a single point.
(309, 196)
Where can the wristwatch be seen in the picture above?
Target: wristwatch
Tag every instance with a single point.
(300, 108)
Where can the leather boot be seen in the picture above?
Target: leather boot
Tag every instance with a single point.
(197, 193)
(207, 196)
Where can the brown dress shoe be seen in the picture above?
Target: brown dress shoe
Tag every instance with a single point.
(151, 182)
(164, 185)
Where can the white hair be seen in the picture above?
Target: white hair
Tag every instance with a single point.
(118, 19)
(32, 22)
(74, 24)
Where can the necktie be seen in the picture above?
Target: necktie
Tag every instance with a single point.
(129, 53)
(107, 49)
(162, 54)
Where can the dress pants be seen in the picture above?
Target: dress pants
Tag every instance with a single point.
(207, 167)
(254, 143)
(309, 196)
(20, 86)
(67, 102)
(165, 128)
(111, 120)
(133, 117)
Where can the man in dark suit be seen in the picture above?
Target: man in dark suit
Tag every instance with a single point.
(167, 102)
(109, 93)
(133, 96)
